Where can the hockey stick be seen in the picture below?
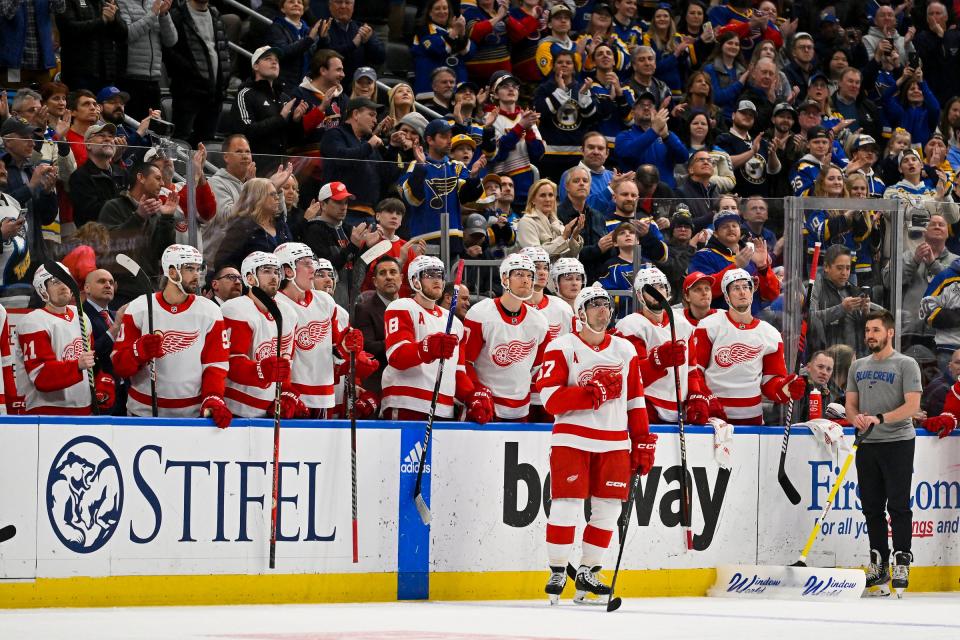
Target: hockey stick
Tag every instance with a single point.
(417, 490)
(7, 532)
(352, 410)
(857, 441)
(655, 293)
(274, 310)
(58, 272)
(130, 265)
(792, 494)
(614, 603)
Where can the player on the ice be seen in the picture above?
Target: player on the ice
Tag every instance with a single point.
(254, 365)
(741, 357)
(567, 278)
(505, 339)
(53, 356)
(189, 345)
(322, 326)
(416, 339)
(697, 297)
(590, 381)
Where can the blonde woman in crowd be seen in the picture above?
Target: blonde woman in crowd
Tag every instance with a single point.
(540, 227)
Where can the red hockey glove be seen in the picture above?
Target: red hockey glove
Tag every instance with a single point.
(213, 407)
(352, 341)
(669, 354)
(605, 385)
(274, 369)
(716, 408)
(367, 405)
(795, 387)
(942, 424)
(366, 365)
(698, 409)
(642, 454)
(148, 347)
(340, 369)
(291, 406)
(437, 346)
(480, 406)
(105, 389)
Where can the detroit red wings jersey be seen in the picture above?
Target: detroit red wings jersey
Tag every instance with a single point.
(503, 353)
(559, 316)
(567, 362)
(194, 364)
(8, 388)
(407, 322)
(253, 337)
(737, 359)
(660, 388)
(320, 325)
(49, 347)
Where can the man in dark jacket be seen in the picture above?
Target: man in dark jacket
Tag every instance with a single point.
(698, 193)
(837, 308)
(596, 241)
(356, 42)
(93, 39)
(94, 183)
(368, 317)
(198, 66)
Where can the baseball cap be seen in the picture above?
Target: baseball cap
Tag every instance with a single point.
(475, 223)
(499, 77)
(159, 152)
(361, 103)
(826, 16)
(560, 8)
(16, 125)
(645, 95)
(809, 102)
(863, 140)
(463, 138)
(472, 86)
(784, 106)
(365, 72)
(681, 219)
(334, 191)
(438, 125)
(695, 277)
(746, 105)
(906, 153)
(490, 177)
(109, 93)
(818, 132)
(725, 215)
(415, 121)
(604, 7)
(261, 52)
(100, 127)
(819, 75)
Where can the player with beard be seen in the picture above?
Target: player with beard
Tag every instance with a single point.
(252, 330)
(883, 392)
(567, 278)
(741, 357)
(697, 297)
(590, 380)
(52, 360)
(505, 339)
(188, 344)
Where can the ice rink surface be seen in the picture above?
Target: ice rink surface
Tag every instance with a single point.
(927, 616)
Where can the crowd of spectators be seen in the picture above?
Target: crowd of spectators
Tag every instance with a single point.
(617, 132)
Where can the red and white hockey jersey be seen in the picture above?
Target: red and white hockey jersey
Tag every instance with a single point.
(658, 382)
(194, 364)
(407, 382)
(689, 317)
(560, 321)
(739, 362)
(253, 337)
(503, 353)
(568, 364)
(49, 347)
(8, 388)
(321, 323)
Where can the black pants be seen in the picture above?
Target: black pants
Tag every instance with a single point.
(144, 95)
(195, 119)
(884, 471)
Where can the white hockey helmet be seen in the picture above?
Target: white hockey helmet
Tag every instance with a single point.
(516, 262)
(40, 278)
(536, 254)
(652, 276)
(325, 265)
(177, 255)
(256, 260)
(421, 265)
(586, 295)
(289, 252)
(566, 266)
(731, 276)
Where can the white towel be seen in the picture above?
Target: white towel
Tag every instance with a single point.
(722, 442)
(828, 434)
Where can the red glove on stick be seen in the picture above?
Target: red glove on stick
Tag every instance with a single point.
(366, 366)
(274, 369)
(605, 385)
(105, 389)
(669, 354)
(795, 387)
(367, 405)
(213, 407)
(698, 409)
(643, 453)
(352, 341)
(148, 347)
(942, 424)
(480, 406)
(291, 406)
(438, 346)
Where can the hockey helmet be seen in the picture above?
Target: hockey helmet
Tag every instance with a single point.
(566, 266)
(322, 264)
(40, 278)
(731, 276)
(588, 294)
(254, 261)
(516, 261)
(536, 254)
(421, 265)
(289, 252)
(652, 276)
(177, 255)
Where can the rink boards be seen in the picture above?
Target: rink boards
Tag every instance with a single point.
(131, 511)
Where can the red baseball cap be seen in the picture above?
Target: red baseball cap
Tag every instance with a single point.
(335, 191)
(694, 278)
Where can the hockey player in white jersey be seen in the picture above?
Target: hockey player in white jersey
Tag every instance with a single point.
(416, 338)
(254, 365)
(505, 340)
(322, 327)
(189, 345)
(590, 380)
(567, 278)
(54, 357)
(8, 385)
(649, 331)
(741, 357)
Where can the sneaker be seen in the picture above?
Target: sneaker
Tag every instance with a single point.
(901, 570)
(878, 573)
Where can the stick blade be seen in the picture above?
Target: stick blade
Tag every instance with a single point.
(792, 494)
(128, 263)
(614, 604)
(422, 508)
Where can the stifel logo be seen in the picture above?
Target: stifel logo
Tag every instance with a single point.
(512, 352)
(588, 374)
(312, 334)
(736, 354)
(175, 341)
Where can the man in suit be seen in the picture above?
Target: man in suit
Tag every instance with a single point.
(99, 288)
(371, 306)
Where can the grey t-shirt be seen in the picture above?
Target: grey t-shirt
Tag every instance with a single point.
(881, 385)
(204, 22)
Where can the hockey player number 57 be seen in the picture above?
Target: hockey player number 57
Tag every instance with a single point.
(546, 369)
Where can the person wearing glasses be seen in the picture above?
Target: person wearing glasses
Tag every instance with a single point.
(225, 284)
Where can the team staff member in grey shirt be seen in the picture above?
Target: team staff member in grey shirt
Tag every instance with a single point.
(883, 391)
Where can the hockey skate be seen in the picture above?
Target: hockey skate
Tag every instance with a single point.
(555, 585)
(901, 572)
(589, 588)
(878, 576)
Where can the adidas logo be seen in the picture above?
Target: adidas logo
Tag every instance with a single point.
(411, 462)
